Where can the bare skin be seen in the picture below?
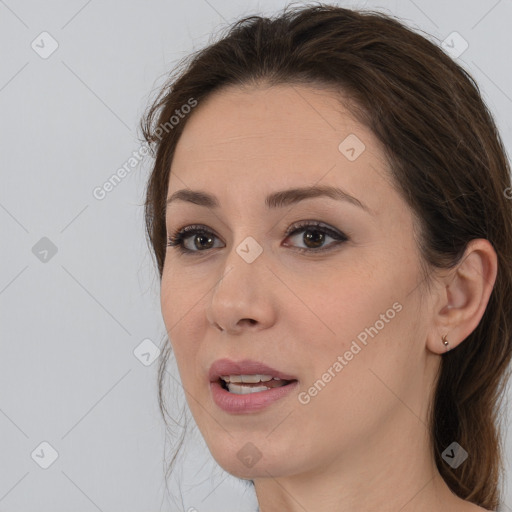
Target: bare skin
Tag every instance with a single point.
(361, 443)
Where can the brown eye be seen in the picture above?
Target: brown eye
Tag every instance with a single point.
(314, 236)
(201, 239)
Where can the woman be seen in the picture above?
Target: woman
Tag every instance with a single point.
(328, 211)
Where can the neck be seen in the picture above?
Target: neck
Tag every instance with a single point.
(391, 470)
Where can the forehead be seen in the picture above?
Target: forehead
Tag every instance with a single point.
(250, 139)
(254, 121)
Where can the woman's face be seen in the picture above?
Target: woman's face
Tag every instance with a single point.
(343, 320)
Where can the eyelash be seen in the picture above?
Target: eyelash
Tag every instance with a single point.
(177, 239)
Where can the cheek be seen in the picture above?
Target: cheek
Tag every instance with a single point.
(179, 298)
(346, 392)
(340, 302)
(376, 347)
(170, 304)
(360, 323)
(180, 312)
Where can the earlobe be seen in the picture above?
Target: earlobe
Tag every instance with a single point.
(464, 296)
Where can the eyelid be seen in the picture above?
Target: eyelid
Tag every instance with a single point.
(303, 224)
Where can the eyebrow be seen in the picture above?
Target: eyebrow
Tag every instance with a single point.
(278, 199)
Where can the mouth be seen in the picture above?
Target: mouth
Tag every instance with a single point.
(247, 384)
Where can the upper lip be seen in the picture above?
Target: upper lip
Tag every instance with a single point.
(246, 367)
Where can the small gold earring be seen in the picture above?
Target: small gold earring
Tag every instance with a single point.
(445, 341)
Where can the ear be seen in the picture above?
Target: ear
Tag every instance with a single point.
(463, 295)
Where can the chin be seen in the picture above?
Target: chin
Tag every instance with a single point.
(248, 462)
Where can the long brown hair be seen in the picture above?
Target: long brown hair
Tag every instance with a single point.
(446, 159)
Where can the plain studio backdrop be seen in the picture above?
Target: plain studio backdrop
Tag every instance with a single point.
(79, 298)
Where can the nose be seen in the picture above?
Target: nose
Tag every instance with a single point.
(243, 296)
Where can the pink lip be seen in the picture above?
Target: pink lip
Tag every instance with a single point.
(246, 367)
(243, 404)
(240, 404)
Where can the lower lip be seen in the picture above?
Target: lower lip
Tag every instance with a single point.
(233, 403)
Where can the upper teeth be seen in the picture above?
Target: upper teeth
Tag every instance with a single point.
(248, 378)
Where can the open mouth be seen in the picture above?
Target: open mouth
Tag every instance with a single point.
(247, 384)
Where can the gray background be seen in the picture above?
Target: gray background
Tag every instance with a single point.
(71, 321)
